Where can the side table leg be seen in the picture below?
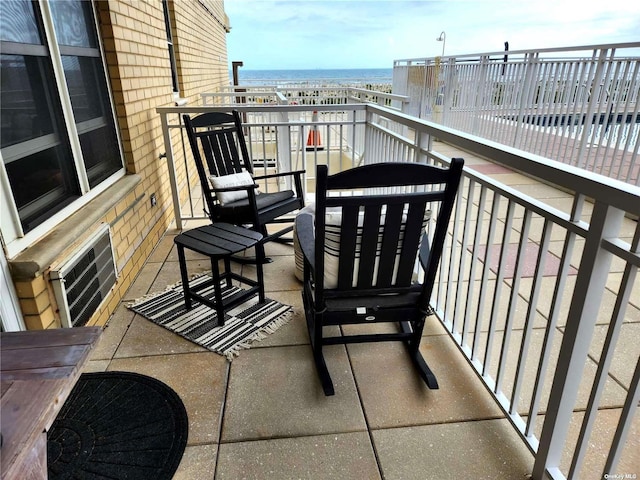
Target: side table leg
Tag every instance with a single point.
(227, 270)
(185, 277)
(215, 272)
(259, 270)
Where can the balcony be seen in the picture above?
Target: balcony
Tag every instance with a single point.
(534, 339)
(264, 415)
(535, 334)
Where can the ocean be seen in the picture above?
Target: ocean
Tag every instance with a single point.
(315, 77)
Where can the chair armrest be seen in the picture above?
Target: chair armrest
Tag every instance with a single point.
(305, 233)
(297, 174)
(281, 174)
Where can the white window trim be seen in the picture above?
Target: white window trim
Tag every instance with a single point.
(177, 99)
(10, 306)
(65, 99)
(15, 240)
(17, 245)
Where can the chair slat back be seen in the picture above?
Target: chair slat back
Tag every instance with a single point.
(219, 148)
(221, 142)
(219, 138)
(369, 243)
(375, 242)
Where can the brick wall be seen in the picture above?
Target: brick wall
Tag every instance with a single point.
(135, 43)
(199, 36)
(200, 43)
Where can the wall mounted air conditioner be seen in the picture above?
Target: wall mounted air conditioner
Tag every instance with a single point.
(82, 281)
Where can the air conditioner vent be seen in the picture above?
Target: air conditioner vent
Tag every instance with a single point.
(84, 280)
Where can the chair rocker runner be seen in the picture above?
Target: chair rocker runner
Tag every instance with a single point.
(361, 251)
(226, 176)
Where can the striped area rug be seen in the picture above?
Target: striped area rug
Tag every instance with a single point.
(248, 322)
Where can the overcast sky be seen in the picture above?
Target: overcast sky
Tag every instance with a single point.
(309, 34)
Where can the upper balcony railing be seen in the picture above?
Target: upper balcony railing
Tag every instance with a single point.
(301, 95)
(556, 362)
(579, 105)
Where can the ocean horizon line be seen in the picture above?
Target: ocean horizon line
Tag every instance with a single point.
(241, 69)
(316, 75)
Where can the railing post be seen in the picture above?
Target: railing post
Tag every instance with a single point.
(425, 99)
(449, 89)
(353, 138)
(581, 320)
(284, 138)
(166, 134)
(369, 150)
(594, 99)
(527, 94)
(479, 101)
(423, 143)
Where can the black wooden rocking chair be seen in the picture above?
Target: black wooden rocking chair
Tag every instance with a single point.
(226, 176)
(360, 256)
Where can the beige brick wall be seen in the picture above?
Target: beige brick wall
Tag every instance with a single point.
(135, 44)
(199, 37)
(140, 67)
(201, 47)
(37, 303)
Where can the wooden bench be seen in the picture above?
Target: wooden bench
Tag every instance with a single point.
(38, 371)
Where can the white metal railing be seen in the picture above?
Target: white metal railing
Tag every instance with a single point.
(302, 95)
(541, 300)
(576, 105)
(265, 95)
(277, 138)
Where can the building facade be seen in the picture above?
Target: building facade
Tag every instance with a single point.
(82, 147)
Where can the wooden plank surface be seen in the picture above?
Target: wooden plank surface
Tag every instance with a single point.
(60, 336)
(27, 359)
(38, 371)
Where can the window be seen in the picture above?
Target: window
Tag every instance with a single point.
(58, 138)
(172, 53)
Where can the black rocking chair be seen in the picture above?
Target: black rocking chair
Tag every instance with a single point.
(226, 176)
(360, 253)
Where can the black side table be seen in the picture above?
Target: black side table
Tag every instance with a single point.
(219, 242)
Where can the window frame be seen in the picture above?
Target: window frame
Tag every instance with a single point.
(175, 82)
(13, 236)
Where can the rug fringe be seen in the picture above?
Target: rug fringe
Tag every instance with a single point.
(258, 336)
(234, 350)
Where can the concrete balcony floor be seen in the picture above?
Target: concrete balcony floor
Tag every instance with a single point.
(264, 415)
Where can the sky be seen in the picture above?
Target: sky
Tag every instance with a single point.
(310, 34)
